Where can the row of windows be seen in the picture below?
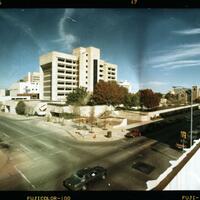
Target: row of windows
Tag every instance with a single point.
(113, 69)
(66, 66)
(67, 60)
(111, 73)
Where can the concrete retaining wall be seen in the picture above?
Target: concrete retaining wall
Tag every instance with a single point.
(84, 111)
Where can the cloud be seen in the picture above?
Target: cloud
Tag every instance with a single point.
(182, 56)
(178, 64)
(24, 27)
(153, 83)
(193, 31)
(67, 39)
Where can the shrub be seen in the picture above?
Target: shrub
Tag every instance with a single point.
(20, 108)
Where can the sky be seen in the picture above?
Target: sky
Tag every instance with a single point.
(153, 48)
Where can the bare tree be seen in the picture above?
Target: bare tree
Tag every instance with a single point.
(92, 118)
(76, 112)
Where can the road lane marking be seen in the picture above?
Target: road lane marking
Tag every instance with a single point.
(60, 141)
(24, 147)
(47, 145)
(56, 153)
(27, 180)
(6, 135)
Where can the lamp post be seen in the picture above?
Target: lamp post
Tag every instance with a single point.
(191, 121)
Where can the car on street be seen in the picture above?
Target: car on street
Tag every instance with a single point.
(83, 177)
(133, 133)
(195, 134)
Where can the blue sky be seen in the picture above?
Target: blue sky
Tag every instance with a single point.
(153, 48)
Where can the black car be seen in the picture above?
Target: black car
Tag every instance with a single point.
(83, 177)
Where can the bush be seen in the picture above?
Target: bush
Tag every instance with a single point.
(20, 108)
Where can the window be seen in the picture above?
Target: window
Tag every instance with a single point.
(86, 60)
(61, 59)
(60, 65)
(86, 72)
(86, 54)
(86, 77)
(68, 61)
(86, 82)
(86, 66)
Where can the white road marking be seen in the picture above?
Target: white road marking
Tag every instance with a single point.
(60, 141)
(6, 135)
(26, 148)
(47, 145)
(24, 177)
(56, 153)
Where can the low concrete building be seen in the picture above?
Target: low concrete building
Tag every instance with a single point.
(125, 84)
(29, 87)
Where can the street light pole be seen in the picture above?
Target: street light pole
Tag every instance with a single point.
(191, 122)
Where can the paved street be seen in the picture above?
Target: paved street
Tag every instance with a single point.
(39, 159)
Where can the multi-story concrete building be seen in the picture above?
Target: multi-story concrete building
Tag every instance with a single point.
(61, 73)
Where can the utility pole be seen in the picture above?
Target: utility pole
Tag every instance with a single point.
(191, 122)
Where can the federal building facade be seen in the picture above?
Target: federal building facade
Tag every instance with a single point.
(61, 73)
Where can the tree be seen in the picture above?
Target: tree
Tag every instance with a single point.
(77, 113)
(92, 118)
(160, 95)
(136, 100)
(131, 100)
(79, 96)
(128, 100)
(149, 99)
(109, 93)
(20, 108)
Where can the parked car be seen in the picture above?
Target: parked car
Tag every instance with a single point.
(133, 133)
(195, 134)
(83, 177)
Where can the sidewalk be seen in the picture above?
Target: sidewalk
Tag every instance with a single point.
(71, 129)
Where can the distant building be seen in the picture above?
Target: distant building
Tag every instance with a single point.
(181, 95)
(33, 77)
(4, 95)
(26, 88)
(61, 73)
(2, 92)
(125, 84)
(195, 92)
